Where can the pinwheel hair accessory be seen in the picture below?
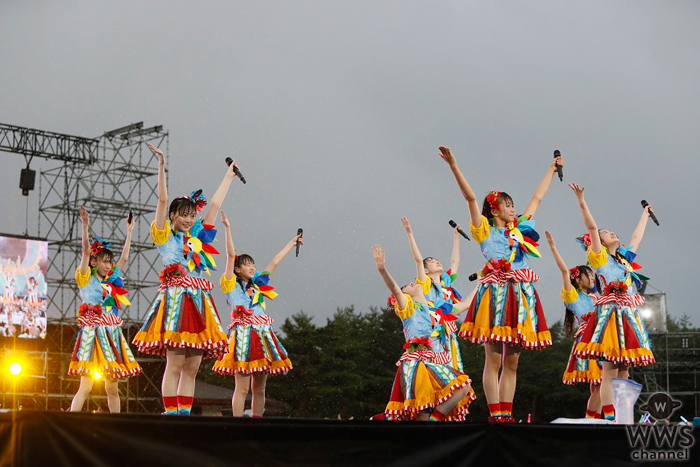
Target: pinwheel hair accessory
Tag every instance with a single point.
(98, 246)
(198, 199)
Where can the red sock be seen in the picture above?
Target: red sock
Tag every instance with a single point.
(609, 412)
(184, 405)
(495, 409)
(598, 415)
(506, 409)
(170, 404)
(591, 414)
(437, 416)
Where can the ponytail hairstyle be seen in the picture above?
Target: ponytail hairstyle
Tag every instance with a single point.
(569, 320)
(493, 201)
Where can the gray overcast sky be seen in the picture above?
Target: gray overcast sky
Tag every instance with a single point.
(334, 111)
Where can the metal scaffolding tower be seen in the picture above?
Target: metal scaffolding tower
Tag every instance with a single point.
(109, 175)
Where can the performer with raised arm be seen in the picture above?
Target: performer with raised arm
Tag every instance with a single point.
(423, 389)
(100, 345)
(183, 323)
(615, 333)
(438, 290)
(579, 300)
(254, 350)
(506, 313)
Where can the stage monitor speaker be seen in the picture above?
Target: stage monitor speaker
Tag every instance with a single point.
(26, 180)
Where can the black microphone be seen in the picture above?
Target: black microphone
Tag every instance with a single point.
(453, 224)
(560, 169)
(299, 232)
(130, 218)
(651, 213)
(473, 277)
(238, 173)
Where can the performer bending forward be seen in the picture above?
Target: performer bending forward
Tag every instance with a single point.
(423, 388)
(183, 323)
(254, 350)
(506, 314)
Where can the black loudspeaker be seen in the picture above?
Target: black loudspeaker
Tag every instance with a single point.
(26, 180)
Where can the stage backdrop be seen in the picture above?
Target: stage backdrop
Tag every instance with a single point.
(23, 303)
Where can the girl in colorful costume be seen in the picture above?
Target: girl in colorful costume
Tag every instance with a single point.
(183, 323)
(423, 388)
(100, 346)
(439, 292)
(254, 350)
(506, 314)
(9, 280)
(580, 305)
(615, 334)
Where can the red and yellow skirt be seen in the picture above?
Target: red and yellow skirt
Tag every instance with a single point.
(507, 309)
(101, 346)
(421, 385)
(253, 348)
(616, 332)
(183, 317)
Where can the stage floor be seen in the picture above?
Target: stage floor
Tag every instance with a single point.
(35, 438)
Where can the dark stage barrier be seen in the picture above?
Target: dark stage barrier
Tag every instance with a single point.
(29, 438)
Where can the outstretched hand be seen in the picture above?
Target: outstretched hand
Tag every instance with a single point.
(230, 170)
(158, 152)
(84, 216)
(456, 229)
(446, 155)
(578, 190)
(378, 256)
(224, 220)
(550, 239)
(298, 239)
(406, 226)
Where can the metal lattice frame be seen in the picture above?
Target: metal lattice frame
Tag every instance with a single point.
(121, 177)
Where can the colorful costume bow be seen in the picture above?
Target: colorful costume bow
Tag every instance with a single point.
(198, 241)
(198, 199)
(113, 292)
(258, 289)
(522, 230)
(98, 245)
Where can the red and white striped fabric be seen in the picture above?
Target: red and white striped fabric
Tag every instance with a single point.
(90, 318)
(623, 299)
(425, 355)
(187, 281)
(110, 319)
(501, 277)
(251, 320)
(442, 357)
(451, 326)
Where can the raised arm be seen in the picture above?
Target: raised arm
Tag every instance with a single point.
(219, 195)
(85, 258)
(420, 269)
(467, 192)
(454, 260)
(230, 249)
(391, 284)
(542, 188)
(638, 233)
(162, 206)
(566, 280)
(287, 248)
(587, 217)
(127, 243)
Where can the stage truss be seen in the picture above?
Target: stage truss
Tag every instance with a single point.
(110, 175)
